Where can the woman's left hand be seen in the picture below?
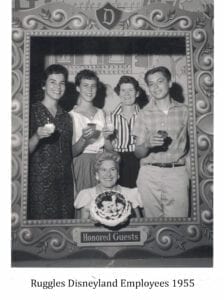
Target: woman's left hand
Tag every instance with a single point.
(107, 132)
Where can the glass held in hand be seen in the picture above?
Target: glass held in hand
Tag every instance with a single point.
(109, 123)
(49, 126)
(89, 131)
(163, 133)
(92, 125)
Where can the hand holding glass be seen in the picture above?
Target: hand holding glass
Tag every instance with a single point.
(50, 127)
(155, 140)
(89, 131)
(45, 131)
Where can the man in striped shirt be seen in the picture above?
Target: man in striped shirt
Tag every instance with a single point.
(161, 142)
(124, 117)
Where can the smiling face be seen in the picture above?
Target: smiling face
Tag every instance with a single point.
(158, 85)
(87, 89)
(128, 94)
(107, 174)
(55, 86)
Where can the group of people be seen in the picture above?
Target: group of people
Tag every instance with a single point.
(76, 155)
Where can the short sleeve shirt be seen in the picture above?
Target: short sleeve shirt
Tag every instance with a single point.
(151, 119)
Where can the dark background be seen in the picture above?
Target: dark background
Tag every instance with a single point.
(42, 46)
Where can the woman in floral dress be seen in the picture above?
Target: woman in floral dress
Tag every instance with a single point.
(51, 188)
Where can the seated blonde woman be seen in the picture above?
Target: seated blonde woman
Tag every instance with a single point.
(107, 175)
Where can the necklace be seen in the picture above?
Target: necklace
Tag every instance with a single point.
(90, 114)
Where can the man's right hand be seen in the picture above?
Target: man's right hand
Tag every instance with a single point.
(154, 141)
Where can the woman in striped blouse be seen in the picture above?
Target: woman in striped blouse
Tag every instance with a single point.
(124, 117)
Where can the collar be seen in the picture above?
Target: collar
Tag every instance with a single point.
(118, 110)
(60, 110)
(151, 106)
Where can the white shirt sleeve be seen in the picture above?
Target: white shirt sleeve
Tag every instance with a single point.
(133, 196)
(83, 199)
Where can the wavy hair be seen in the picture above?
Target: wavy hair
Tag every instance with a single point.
(127, 79)
(107, 155)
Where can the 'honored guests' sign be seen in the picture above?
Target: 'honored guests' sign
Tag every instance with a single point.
(104, 237)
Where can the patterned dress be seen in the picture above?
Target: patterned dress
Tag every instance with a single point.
(50, 193)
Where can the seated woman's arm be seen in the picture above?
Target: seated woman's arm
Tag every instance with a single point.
(84, 212)
(136, 201)
(137, 212)
(82, 203)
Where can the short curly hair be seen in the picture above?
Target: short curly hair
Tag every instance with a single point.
(107, 155)
(86, 74)
(127, 79)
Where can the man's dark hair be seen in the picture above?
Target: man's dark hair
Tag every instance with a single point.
(160, 69)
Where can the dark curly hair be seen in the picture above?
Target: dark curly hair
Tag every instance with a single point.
(54, 69)
(127, 79)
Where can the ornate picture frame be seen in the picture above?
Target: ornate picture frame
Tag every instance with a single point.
(171, 237)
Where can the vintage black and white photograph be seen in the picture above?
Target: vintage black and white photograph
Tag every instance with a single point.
(112, 133)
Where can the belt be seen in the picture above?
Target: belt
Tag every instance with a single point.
(166, 165)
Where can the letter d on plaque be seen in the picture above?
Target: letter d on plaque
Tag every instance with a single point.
(108, 16)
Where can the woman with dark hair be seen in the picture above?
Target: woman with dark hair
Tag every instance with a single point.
(51, 188)
(124, 117)
(90, 136)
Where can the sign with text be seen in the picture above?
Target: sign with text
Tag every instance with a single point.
(104, 237)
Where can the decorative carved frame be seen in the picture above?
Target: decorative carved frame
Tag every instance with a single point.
(166, 237)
